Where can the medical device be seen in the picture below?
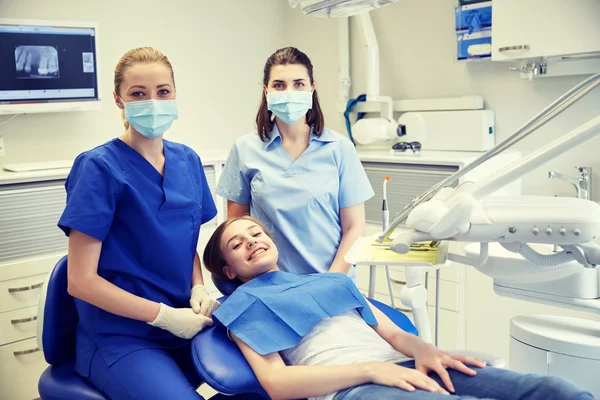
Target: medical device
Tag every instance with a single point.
(460, 130)
(385, 213)
(48, 66)
(338, 8)
(466, 213)
(520, 224)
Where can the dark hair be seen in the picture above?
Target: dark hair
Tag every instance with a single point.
(314, 116)
(213, 257)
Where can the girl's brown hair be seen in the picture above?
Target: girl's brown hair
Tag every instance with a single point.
(140, 55)
(314, 116)
(213, 256)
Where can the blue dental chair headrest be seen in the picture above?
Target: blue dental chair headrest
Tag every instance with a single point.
(224, 285)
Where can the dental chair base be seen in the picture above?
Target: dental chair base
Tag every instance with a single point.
(557, 346)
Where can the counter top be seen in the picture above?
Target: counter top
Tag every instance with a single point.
(429, 157)
(453, 158)
(9, 177)
(213, 157)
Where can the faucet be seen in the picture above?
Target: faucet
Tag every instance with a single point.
(582, 183)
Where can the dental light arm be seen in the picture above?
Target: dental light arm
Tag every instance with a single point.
(467, 214)
(558, 106)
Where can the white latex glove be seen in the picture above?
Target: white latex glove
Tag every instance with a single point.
(182, 322)
(201, 302)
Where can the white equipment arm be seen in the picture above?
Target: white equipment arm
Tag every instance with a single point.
(466, 213)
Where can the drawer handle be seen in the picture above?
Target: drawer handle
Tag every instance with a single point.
(23, 320)
(519, 47)
(24, 352)
(25, 288)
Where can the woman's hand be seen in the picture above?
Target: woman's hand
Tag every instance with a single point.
(389, 374)
(201, 302)
(181, 322)
(429, 358)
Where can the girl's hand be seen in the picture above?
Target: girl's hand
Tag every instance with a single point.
(429, 358)
(390, 374)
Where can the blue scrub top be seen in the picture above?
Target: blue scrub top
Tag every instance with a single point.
(299, 201)
(149, 226)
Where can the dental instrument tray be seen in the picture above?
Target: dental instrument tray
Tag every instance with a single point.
(370, 251)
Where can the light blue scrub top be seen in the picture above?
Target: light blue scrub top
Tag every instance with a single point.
(149, 226)
(299, 201)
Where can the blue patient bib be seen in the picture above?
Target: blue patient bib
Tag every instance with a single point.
(274, 311)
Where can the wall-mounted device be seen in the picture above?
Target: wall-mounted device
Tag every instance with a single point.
(48, 66)
(472, 130)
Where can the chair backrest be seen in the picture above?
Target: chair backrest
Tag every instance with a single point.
(224, 285)
(57, 316)
(227, 286)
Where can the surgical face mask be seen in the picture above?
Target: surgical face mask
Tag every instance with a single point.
(151, 118)
(290, 105)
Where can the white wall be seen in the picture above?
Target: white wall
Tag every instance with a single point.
(217, 49)
(417, 57)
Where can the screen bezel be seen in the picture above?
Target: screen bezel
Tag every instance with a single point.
(58, 106)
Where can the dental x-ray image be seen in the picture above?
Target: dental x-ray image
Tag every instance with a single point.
(88, 62)
(36, 62)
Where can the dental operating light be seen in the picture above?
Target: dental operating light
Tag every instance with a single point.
(338, 8)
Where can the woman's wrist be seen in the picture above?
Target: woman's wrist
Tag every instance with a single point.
(153, 312)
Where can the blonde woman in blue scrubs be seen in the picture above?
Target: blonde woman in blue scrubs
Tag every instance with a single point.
(302, 180)
(135, 205)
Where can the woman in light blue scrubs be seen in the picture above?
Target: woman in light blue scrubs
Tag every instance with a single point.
(303, 181)
(133, 214)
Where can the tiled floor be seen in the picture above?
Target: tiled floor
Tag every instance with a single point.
(206, 391)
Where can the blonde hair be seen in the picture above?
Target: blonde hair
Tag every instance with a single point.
(140, 55)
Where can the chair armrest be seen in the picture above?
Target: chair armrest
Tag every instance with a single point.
(221, 364)
(397, 317)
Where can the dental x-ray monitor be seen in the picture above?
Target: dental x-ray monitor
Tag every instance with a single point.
(48, 66)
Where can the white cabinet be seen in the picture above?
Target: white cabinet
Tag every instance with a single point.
(529, 29)
(30, 245)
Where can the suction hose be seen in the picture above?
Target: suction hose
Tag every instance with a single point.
(545, 261)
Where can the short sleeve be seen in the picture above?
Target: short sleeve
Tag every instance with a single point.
(209, 209)
(233, 184)
(91, 198)
(354, 184)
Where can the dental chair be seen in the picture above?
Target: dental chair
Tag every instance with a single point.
(57, 321)
(222, 365)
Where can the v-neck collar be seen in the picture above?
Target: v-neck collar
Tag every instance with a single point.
(141, 161)
(175, 183)
(145, 167)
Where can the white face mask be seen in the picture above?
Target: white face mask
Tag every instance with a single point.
(290, 105)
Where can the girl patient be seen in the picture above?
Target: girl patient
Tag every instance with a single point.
(316, 336)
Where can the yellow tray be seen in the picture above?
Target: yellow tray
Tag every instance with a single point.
(369, 251)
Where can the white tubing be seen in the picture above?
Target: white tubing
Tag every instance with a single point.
(545, 260)
(488, 185)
